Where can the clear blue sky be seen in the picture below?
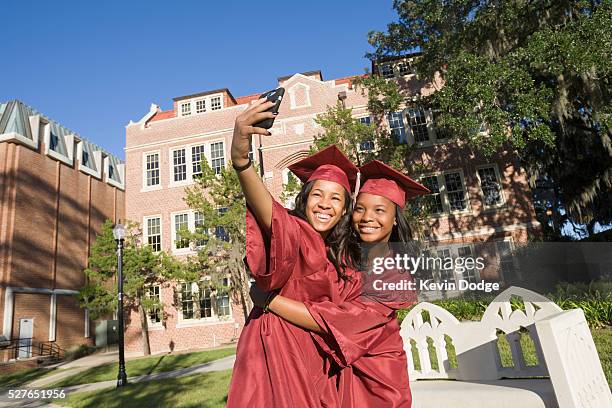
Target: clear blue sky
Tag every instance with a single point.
(93, 66)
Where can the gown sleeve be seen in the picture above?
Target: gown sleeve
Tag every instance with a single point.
(349, 329)
(272, 260)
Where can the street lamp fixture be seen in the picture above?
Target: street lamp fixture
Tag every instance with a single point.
(119, 234)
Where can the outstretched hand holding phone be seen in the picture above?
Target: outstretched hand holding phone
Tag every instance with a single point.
(247, 123)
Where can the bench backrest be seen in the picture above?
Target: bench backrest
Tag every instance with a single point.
(431, 330)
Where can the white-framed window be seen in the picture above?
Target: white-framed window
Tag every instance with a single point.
(507, 266)
(396, 125)
(187, 299)
(187, 220)
(223, 300)
(252, 150)
(443, 271)
(153, 232)
(403, 67)
(154, 314)
(200, 106)
(151, 162)
(179, 165)
(455, 191)
(198, 222)
(448, 192)
(433, 200)
(197, 155)
(216, 103)
(200, 301)
(386, 71)
(217, 156)
(417, 119)
(181, 222)
(490, 185)
(366, 145)
(185, 108)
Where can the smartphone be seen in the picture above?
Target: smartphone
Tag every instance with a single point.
(276, 96)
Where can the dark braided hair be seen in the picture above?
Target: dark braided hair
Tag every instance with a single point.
(343, 248)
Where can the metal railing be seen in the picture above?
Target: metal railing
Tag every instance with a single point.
(26, 348)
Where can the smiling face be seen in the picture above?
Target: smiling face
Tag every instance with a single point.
(325, 205)
(373, 217)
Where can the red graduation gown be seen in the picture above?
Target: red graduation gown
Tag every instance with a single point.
(277, 363)
(362, 336)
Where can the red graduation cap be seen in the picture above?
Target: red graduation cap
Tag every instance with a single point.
(328, 164)
(384, 181)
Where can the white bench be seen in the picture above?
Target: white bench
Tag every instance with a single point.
(567, 362)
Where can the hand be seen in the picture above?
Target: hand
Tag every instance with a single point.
(243, 129)
(258, 296)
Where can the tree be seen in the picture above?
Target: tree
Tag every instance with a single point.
(142, 268)
(362, 142)
(219, 200)
(527, 75)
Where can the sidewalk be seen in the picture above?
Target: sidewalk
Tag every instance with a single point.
(222, 364)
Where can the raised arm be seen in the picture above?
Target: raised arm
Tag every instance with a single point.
(257, 196)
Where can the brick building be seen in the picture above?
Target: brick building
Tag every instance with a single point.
(474, 199)
(56, 190)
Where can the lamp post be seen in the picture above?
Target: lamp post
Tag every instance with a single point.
(119, 233)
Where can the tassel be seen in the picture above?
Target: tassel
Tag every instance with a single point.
(357, 186)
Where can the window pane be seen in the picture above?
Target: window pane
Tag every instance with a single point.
(396, 124)
(220, 232)
(404, 68)
(467, 274)
(386, 70)
(199, 222)
(186, 109)
(181, 222)
(180, 165)
(455, 193)
(418, 125)
(434, 199)
(152, 162)
(153, 292)
(444, 274)
(215, 103)
(365, 121)
(205, 302)
(217, 156)
(186, 301)
(223, 303)
(201, 106)
(154, 233)
(197, 155)
(491, 190)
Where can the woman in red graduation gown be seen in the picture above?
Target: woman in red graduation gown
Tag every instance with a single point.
(277, 363)
(361, 335)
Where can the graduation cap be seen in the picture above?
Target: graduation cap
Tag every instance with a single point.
(384, 181)
(328, 164)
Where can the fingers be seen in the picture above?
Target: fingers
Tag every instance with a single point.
(260, 106)
(258, 131)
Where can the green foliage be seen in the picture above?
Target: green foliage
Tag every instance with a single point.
(218, 258)
(346, 132)
(527, 75)
(141, 268)
(343, 130)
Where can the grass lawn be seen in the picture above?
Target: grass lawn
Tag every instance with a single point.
(601, 337)
(199, 390)
(142, 366)
(18, 378)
